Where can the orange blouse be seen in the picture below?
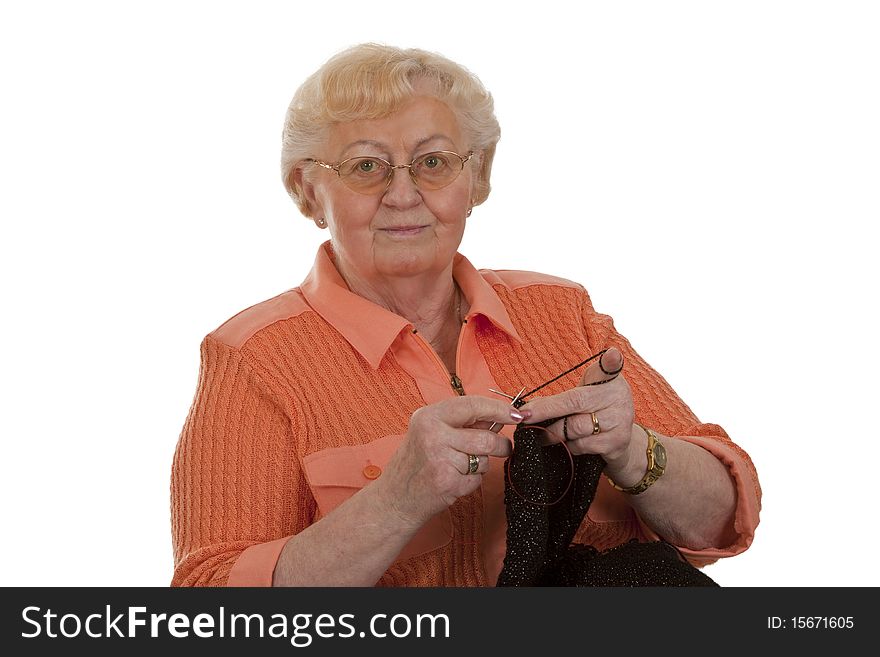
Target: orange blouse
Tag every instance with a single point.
(303, 398)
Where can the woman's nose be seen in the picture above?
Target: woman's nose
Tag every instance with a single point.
(401, 191)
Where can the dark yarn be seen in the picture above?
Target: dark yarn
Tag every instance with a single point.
(540, 533)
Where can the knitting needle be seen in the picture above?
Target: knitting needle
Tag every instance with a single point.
(504, 394)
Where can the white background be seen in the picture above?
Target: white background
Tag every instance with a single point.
(708, 170)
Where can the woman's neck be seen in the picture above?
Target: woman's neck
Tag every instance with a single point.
(434, 305)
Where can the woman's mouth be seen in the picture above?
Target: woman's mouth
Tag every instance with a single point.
(403, 231)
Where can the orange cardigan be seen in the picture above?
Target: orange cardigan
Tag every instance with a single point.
(303, 398)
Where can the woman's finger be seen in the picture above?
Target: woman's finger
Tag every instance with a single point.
(494, 427)
(470, 409)
(479, 441)
(582, 399)
(606, 367)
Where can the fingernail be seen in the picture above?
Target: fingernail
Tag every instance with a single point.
(525, 414)
(516, 415)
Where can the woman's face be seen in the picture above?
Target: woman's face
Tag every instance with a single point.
(403, 231)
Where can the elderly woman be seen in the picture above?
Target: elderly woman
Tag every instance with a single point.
(345, 432)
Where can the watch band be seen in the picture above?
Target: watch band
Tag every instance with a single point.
(656, 466)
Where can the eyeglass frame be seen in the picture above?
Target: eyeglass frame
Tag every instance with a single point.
(391, 168)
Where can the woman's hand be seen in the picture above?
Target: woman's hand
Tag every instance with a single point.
(608, 407)
(429, 471)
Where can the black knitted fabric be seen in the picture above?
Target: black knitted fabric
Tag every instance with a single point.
(540, 532)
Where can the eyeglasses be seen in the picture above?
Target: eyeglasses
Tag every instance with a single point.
(372, 175)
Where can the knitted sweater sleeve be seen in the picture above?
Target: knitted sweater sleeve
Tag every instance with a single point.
(657, 406)
(234, 480)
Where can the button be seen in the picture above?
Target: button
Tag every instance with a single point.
(372, 471)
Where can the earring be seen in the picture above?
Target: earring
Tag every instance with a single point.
(321, 222)
(470, 209)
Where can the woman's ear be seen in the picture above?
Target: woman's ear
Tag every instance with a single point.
(483, 169)
(310, 205)
(305, 189)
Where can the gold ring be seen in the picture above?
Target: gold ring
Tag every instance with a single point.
(596, 428)
(473, 464)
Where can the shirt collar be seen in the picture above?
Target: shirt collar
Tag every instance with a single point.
(371, 329)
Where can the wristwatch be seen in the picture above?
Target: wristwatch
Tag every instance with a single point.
(656, 466)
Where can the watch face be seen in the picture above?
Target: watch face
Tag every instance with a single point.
(660, 455)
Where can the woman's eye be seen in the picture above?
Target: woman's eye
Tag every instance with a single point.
(433, 162)
(363, 168)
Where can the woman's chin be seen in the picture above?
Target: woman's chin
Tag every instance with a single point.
(407, 260)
